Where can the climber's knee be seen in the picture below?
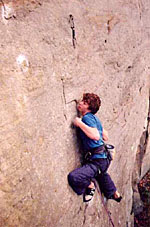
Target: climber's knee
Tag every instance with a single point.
(71, 178)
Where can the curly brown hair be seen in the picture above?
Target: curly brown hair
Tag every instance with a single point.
(93, 101)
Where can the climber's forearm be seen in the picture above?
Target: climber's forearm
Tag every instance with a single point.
(92, 133)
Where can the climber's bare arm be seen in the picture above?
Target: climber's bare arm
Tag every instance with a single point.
(105, 135)
(92, 133)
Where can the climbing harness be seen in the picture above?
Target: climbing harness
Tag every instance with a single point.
(71, 21)
(106, 148)
(105, 208)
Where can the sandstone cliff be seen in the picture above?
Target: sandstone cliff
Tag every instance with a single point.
(41, 76)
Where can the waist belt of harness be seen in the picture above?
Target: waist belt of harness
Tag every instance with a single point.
(97, 150)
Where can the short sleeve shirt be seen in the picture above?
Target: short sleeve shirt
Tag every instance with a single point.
(92, 121)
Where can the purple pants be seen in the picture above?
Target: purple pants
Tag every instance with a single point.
(80, 178)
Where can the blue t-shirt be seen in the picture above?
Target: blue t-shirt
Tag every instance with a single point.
(92, 121)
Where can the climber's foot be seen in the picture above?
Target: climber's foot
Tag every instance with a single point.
(88, 195)
(117, 197)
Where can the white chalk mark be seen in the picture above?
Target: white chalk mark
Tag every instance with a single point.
(8, 12)
(23, 63)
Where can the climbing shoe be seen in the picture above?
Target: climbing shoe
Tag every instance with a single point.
(88, 195)
(116, 199)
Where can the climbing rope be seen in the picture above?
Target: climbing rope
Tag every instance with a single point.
(102, 200)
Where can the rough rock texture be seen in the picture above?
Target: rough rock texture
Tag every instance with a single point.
(41, 76)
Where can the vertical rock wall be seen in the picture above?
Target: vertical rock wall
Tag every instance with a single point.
(41, 74)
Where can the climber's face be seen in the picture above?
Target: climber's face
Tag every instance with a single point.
(83, 106)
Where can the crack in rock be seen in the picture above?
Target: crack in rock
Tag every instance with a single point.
(84, 220)
(137, 205)
(63, 90)
(143, 143)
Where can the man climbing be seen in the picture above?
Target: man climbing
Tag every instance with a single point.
(92, 136)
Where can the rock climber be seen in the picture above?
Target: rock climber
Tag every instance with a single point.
(93, 135)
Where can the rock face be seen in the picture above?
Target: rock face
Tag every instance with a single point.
(41, 76)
